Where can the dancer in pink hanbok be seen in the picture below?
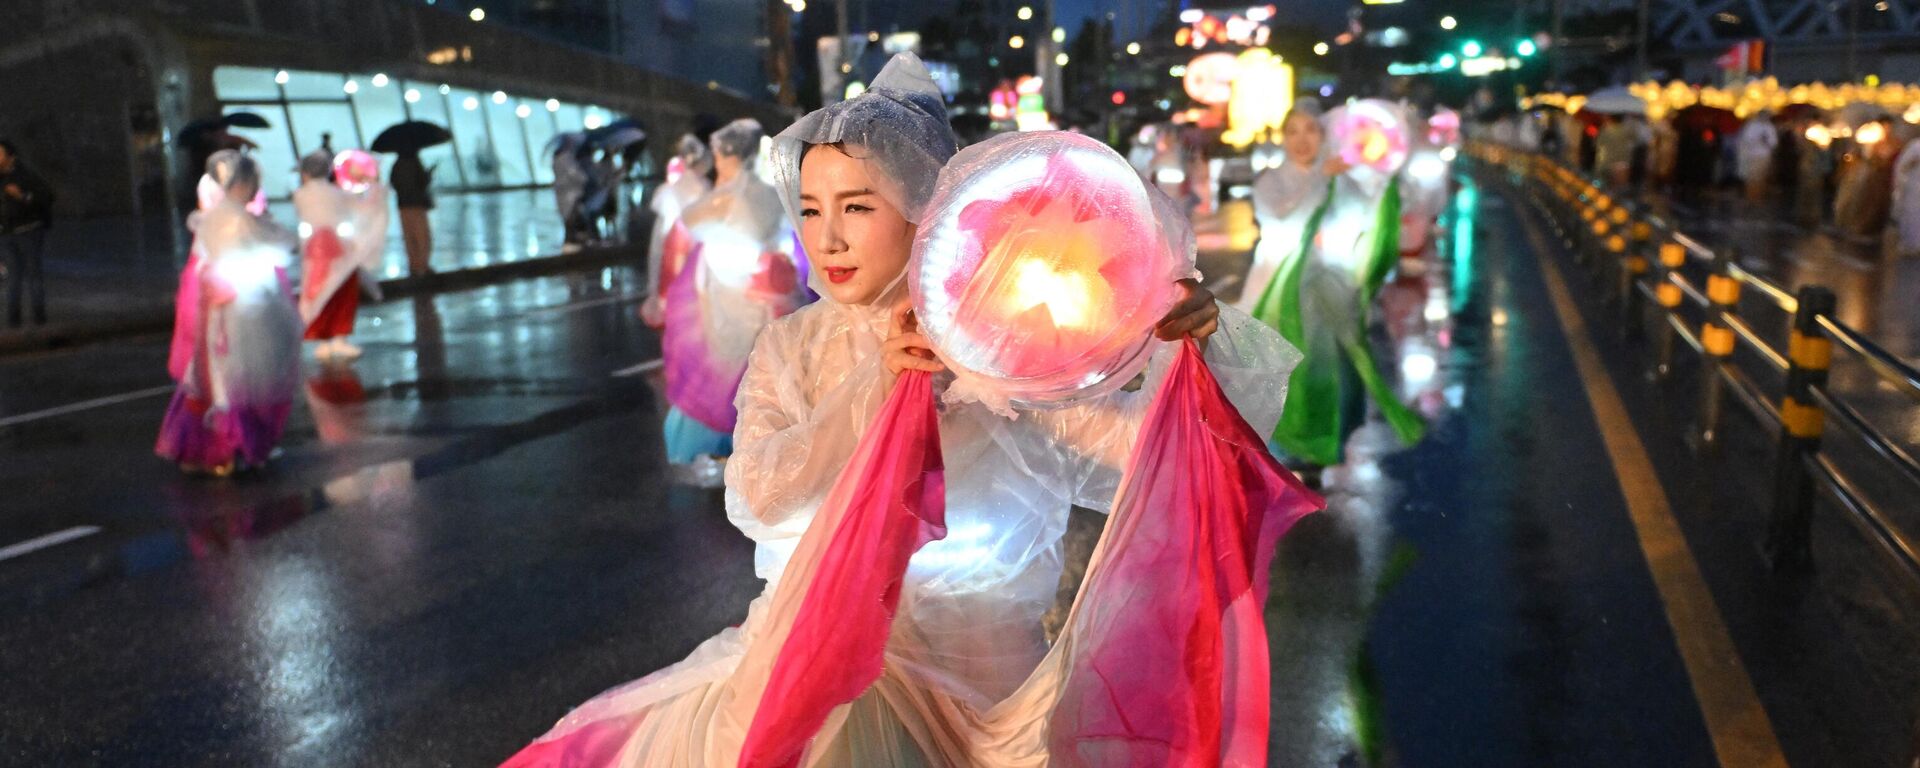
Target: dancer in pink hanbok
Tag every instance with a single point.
(186, 304)
(239, 381)
(738, 275)
(966, 676)
(667, 248)
(343, 220)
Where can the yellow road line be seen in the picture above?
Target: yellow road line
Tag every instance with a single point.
(1742, 735)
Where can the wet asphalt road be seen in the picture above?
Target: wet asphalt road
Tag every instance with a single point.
(471, 530)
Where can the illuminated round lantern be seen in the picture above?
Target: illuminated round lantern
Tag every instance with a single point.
(356, 169)
(1041, 268)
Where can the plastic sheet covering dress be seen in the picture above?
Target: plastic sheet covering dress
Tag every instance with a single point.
(739, 275)
(186, 304)
(967, 677)
(232, 401)
(1321, 303)
(1284, 197)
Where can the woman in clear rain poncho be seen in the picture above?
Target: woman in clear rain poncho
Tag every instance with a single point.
(964, 682)
(344, 226)
(239, 383)
(1284, 196)
(738, 275)
(667, 247)
(1321, 302)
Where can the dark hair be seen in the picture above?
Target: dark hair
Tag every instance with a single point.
(7, 144)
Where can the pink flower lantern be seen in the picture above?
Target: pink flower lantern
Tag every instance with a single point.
(1041, 268)
(1370, 134)
(356, 169)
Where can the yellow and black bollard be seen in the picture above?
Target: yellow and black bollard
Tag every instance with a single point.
(1667, 294)
(1716, 343)
(1809, 353)
(1633, 269)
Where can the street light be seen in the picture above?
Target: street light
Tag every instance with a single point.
(1016, 42)
(499, 97)
(1471, 48)
(1448, 22)
(1059, 34)
(1320, 49)
(477, 14)
(1026, 12)
(1525, 48)
(553, 105)
(1447, 60)
(1133, 49)
(280, 77)
(1060, 59)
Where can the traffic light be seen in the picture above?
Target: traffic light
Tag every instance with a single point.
(1525, 47)
(1471, 48)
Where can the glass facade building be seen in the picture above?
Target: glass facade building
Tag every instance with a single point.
(499, 138)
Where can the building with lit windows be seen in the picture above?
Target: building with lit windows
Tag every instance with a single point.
(96, 99)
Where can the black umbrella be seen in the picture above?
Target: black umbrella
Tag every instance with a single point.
(193, 132)
(410, 136)
(244, 120)
(617, 135)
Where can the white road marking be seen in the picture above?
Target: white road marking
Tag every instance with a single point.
(50, 540)
(85, 405)
(636, 370)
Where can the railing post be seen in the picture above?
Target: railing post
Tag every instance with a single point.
(1716, 341)
(1614, 245)
(1633, 270)
(1809, 353)
(1597, 225)
(1668, 295)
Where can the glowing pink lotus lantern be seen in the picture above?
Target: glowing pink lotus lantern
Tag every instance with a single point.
(1370, 134)
(356, 169)
(1041, 267)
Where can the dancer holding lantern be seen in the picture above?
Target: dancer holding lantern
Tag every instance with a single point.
(1321, 303)
(1284, 197)
(738, 274)
(917, 576)
(344, 225)
(239, 382)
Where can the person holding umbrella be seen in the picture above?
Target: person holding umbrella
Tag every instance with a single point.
(412, 184)
(569, 186)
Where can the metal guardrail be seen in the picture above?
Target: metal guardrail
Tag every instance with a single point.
(1651, 259)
